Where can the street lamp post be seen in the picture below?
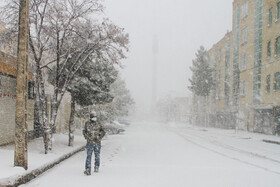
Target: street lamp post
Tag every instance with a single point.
(21, 133)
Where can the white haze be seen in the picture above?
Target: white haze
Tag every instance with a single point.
(181, 27)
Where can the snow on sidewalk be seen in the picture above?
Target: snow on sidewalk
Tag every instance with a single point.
(36, 157)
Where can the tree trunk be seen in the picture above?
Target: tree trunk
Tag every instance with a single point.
(205, 111)
(54, 110)
(55, 104)
(38, 120)
(71, 123)
(41, 106)
(46, 126)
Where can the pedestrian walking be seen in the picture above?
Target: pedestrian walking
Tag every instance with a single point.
(93, 133)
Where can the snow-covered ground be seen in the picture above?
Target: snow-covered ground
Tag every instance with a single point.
(159, 155)
(36, 156)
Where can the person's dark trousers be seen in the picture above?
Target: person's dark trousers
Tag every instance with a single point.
(90, 148)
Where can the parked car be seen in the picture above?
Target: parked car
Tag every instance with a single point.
(114, 128)
(124, 121)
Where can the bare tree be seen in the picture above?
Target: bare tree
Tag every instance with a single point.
(38, 41)
(104, 42)
(60, 29)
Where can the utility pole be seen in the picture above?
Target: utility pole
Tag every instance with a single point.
(21, 133)
(154, 88)
(155, 53)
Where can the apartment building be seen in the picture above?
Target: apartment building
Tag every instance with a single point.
(220, 58)
(244, 51)
(247, 69)
(268, 110)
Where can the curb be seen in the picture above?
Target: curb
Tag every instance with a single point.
(22, 179)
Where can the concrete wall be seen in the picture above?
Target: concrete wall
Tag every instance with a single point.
(7, 109)
(8, 99)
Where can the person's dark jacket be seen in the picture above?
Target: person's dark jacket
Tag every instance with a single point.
(93, 132)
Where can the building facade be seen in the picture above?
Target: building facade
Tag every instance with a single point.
(246, 64)
(8, 99)
(8, 67)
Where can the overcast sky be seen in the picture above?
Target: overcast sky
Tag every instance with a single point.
(181, 27)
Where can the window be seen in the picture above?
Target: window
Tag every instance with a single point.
(243, 88)
(244, 9)
(268, 83)
(215, 57)
(270, 16)
(278, 11)
(277, 46)
(277, 81)
(244, 35)
(243, 62)
(221, 54)
(269, 49)
(30, 90)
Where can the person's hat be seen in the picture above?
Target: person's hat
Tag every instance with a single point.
(92, 114)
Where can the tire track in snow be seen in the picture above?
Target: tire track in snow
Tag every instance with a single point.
(188, 138)
(220, 144)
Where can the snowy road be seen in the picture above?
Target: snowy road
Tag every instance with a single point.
(157, 155)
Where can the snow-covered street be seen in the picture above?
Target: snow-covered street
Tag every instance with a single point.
(159, 155)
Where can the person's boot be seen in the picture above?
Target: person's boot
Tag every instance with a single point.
(96, 170)
(87, 172)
